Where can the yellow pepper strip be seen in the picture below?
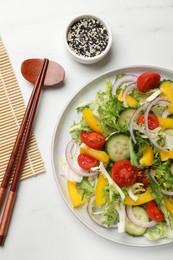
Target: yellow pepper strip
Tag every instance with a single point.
(169, 205)
(131, 102)
(167, 89)
(91, 120)
(75, 196)
(164, 156)
(101, 182)
(142, 198)
(165, 123)
(148, 156)
(97, 154)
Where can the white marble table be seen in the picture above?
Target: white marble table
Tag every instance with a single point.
(42, 226)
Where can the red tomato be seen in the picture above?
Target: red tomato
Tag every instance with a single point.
(154, 212)
(147, 81)
(124, 173)
(93, 139)
(152, 121)
(142, 178)
(86, 162)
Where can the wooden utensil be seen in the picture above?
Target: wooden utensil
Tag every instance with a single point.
(40, 72)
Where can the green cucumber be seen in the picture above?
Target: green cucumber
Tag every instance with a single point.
(125, 116)
(117, 147)
(141, 215)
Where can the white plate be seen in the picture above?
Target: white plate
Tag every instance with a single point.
(61, 137)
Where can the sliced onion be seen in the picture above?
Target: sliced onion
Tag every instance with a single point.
(138, 222)
(90, 213)
(165, 113)
(123, 79)
(136, 187)
(135, 114)
(166, 192)
(148, 108)
(154, 95)
(126, 91)
(71, 158)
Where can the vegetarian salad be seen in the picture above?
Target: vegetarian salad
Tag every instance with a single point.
(120, 156)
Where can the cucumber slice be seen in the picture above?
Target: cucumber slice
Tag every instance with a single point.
(117, 147)
(124, 118)
(133, 229)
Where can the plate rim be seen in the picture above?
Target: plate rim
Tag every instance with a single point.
(77, 92)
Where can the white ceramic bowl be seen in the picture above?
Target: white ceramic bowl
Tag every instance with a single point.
(77, 34)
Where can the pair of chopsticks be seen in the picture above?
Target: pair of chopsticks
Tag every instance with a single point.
(18, 154)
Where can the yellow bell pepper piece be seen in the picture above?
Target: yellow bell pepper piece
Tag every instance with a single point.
(167, 89)
(75, 196)
(164, 156)
(165, 123)
(91, 120)
(97, 154)
(148, 156)
(131, 102)
(169, 205)
(142, 198)
(99, 198)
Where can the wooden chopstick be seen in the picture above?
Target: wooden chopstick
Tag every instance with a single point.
(17, 143)
(23, 139)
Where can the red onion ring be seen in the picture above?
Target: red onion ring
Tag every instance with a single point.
(136, 221)
(123, 79)
(89, 210)
(73, 164)
(153, 102)
(135, 114)
(126, 91)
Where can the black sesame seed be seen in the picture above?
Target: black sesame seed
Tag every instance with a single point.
(87, 37)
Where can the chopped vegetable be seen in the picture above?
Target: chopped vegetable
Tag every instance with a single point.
(122, 150)
(91, 120)
(75, 196)
(124, 173)
(166, 155)
(101, 183)
(147, 81)
(165, 123)
(169, 205)
(93, 139)
(142, 198)
(154, 212)
(148, 156)
(97, 154)
(166, 88)
(131, 102)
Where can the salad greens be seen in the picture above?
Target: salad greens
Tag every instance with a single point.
(107, 108)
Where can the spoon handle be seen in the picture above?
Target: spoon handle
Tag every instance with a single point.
(9, 205)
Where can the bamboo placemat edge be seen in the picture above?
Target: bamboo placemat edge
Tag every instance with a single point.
(12, 108)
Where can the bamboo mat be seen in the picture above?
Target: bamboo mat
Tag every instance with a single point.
(11, 112)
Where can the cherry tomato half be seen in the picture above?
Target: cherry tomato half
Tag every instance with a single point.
(147, 81)
(124, 173)
(142, 178)
(154, 212)
(86, 162)
(93, 139)
(153, 122)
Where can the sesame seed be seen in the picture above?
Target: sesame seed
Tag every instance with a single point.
(87, 37)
